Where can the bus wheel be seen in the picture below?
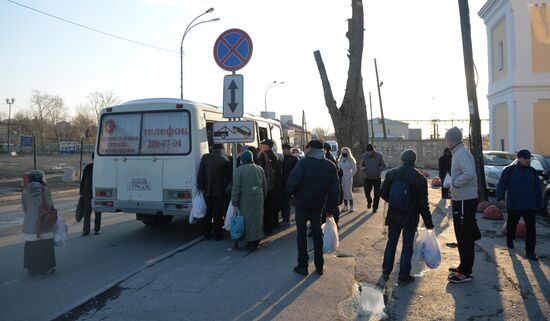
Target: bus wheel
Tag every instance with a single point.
(163, 220)
(146, 219)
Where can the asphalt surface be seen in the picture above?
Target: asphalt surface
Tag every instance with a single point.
(84, 266)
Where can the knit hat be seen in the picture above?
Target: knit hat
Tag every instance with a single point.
(408, 156)
(317, 144)
(454, 135)
(267, 142)
(246, 157)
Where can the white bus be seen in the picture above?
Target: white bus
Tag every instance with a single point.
(148, 153)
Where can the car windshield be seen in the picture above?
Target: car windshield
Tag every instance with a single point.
(498, 159)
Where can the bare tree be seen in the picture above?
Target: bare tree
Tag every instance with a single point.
(47, 112)
(84, 123)
(350, 119)
(99, 100)
(320, 133)
(57, 117)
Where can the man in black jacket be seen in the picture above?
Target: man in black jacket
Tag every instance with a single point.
(313, 184)
(289, 162)
(406, 191)
(212, 180)
(445, 163)
(272, 167)
(86, 191)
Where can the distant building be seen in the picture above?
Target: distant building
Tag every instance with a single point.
(293, 134)
(269, 114)
(394, 129)
(518, 40)
(415, 134)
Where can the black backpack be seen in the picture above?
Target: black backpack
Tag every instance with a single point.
(399, 201)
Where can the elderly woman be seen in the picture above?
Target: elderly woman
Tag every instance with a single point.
(248, 194)
(348, 165)
(39, 257)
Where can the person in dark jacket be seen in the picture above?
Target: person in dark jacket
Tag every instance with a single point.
(372, 166)
(270, 163)
(404, 220)
(314, 185)
(445, 163)
(519, 184)
(336, 214)
(86, 191)
(212, 180)
(289, 162)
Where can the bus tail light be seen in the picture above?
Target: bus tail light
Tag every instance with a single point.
(177, 195)
(108, 203)
(104, 193)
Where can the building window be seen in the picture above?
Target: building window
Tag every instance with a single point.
(500, 55)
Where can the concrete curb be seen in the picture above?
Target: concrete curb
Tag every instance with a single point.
(60, 313)
(17, 196)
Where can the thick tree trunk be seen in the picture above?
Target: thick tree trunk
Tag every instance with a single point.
(350, 120)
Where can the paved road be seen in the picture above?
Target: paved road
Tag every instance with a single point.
(85, 265)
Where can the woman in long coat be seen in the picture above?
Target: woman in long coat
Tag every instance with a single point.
(348, 165)
(248, 194)
(39, 255)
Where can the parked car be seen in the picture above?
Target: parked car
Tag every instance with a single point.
(495, 161)
(542, 165)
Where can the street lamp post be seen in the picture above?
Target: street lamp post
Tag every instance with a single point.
(271, 85)
(9, 102)
(189, 27)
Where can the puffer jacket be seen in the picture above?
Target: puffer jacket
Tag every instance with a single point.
(30, 201)
(214, 174)
(463, 174)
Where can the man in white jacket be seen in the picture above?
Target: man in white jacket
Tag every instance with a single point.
(464, 195)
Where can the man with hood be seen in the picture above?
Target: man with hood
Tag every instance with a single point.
(314, 185)
(406, 192)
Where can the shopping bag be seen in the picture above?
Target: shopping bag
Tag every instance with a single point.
(237, 227)
(60, 232)
(330, 235)
(447, 181)
(427, 248)
(229, 215)
(198, 209)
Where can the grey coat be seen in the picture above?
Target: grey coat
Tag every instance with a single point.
(372, 166)
(30, 201)
(463, 175)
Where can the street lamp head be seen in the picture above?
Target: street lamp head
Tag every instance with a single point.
(381, 84)
(209, 10)
(12, 100)
(215, 19)
(7, 100)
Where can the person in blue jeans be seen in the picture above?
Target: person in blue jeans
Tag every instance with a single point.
(313, 184)
(406, 191)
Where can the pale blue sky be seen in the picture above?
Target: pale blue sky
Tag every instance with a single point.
(417, 44)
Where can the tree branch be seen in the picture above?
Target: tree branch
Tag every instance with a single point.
(329, 98)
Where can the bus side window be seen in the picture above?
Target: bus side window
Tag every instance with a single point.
(209, 134)
(263, 133)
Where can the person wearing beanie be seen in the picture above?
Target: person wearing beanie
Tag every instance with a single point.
(464, 203)
(406, 192)
(289, 163)
(372, 165)
(212, 180)
(247, 195)
(314, 185)
(273, 170)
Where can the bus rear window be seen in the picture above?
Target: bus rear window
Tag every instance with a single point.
(165, 133)
(119, 134)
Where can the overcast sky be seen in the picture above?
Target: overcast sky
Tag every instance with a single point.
(417, 44)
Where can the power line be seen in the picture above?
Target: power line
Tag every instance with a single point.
(90, 28)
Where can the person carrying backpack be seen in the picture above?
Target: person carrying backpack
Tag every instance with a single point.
(406, 192)
(519, 185)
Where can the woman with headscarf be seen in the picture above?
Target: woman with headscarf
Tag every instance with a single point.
(39, 254)
(348, 165)
(248, 194)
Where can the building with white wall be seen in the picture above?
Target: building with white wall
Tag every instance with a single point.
(518, 39)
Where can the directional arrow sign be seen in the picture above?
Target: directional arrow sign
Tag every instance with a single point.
(233, 96)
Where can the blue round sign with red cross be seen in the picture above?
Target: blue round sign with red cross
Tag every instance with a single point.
(233, 49)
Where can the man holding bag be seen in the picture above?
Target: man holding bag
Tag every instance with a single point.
(406, 192)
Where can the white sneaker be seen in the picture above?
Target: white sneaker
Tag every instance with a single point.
(345, 209)
(351, 209)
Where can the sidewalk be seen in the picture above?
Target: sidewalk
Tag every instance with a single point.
(210, 281)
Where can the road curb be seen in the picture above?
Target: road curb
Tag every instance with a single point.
(64, 312)
(17, 196)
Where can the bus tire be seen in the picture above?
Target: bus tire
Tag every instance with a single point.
(163, 220)
(146, 219)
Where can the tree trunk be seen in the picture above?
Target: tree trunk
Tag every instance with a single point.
(350, 120)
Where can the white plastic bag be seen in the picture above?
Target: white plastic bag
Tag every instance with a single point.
(330, 236)
(60, 232)
(198, 209)
(229, 215)
(427, 248)
(447, 181)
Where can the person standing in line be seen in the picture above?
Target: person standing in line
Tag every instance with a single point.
(314, 185)
(519, 185)
(406, 192)
(248, 194)
(86, 191)
(464, 195)
(271, 165)
(445, 162)
(336, 212)
(372, 165)
(289, 163)
(39, 253)
(212, 180)
(348, 165)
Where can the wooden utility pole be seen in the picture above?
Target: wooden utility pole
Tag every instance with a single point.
(380, 98)
(371, 122)
(476, 144)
